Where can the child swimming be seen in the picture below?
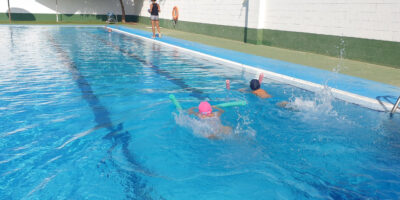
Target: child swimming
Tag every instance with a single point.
(211, 122)
(255, 87)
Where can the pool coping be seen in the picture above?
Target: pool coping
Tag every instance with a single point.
(366, 93)
(62, 25)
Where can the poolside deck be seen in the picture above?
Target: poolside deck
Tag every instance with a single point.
(379, 73)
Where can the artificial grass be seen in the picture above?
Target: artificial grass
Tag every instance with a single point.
(379, 73)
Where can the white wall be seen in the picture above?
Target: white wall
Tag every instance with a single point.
(27, 6)
(372, 19)
(223, 12)
(93, 6)
(68, 6)
(3, 6)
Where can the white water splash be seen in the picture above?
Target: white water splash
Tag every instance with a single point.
(200, 127)
(340, 66)
(342, 54)
(243, 125)
(315, 107)
(320, 106)
(213, 126)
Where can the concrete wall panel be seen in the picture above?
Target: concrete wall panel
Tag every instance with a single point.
(370, 19)
(221, 12)
(70, 6)
(3, 6)
(28, 6)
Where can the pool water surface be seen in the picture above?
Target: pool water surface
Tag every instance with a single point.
(86, 114)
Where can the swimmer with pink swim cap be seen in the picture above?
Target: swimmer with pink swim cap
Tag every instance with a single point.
(206, 112)
(205, 108)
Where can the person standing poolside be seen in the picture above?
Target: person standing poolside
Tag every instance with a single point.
(154, 10)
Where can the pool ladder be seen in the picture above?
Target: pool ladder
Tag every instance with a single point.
(396, 105)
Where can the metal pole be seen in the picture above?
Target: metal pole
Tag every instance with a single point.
(9, 11)
(56, 10)
(395, 106)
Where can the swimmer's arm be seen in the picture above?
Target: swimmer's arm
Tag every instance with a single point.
(190, 110)
(151, 7)
(263, 96)
(220, 111)
(243, 90)
(159, 9)
(282, 104)
(212, 137)
(266, 95)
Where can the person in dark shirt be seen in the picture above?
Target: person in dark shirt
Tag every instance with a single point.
(154, 10)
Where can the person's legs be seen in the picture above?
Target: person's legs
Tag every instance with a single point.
(153, 28)
(158, 28)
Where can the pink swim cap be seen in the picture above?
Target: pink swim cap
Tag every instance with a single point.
(205, 107)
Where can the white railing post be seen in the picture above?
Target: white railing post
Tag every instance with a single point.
(396, 105)
(56, 10)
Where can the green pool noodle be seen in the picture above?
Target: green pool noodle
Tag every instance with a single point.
(228, 104)
(173, 99)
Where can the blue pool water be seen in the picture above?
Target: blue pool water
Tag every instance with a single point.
(85, 114)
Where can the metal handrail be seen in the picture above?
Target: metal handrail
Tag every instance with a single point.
(395, 106)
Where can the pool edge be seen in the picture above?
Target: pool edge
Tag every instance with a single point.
(347, 96)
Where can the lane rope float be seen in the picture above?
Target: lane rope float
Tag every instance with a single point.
(222, 105)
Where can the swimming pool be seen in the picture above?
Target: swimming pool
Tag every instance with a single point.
(86, 114)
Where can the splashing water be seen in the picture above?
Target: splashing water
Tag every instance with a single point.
(315, 107)
(340, 66)
(321, 104)
(243, 125)
(213, 126)
(207, 127)
(342, 54)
